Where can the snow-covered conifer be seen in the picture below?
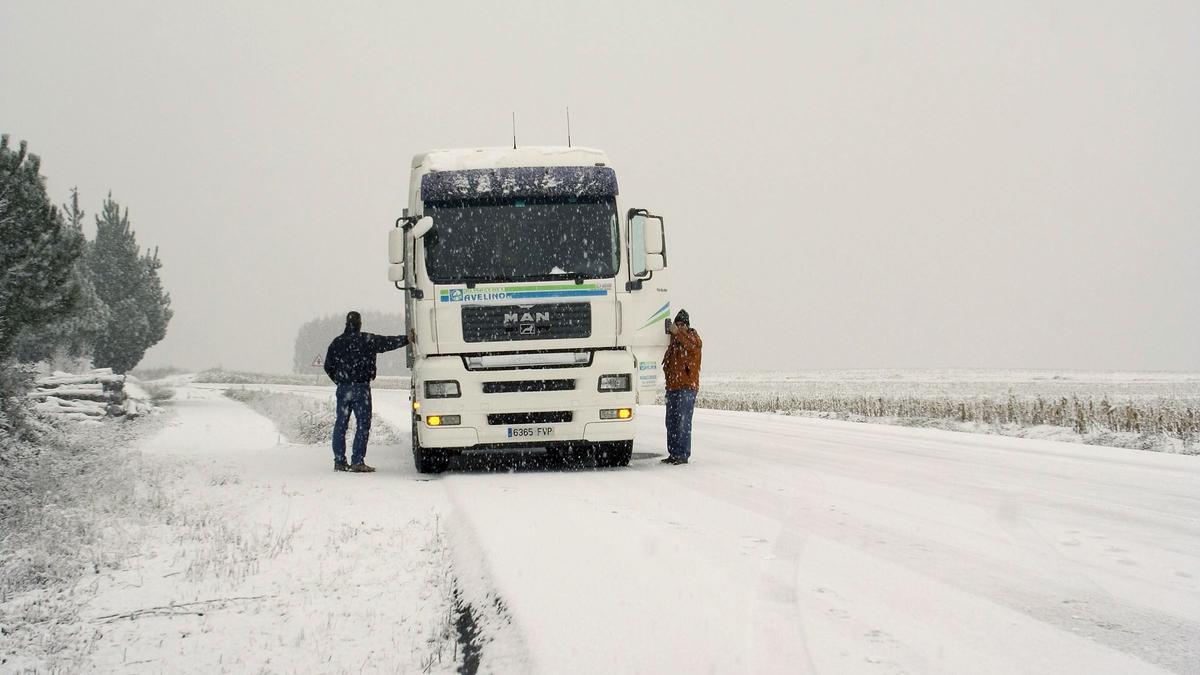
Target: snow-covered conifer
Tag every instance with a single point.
(73, 333)
(38, 250)
(128, 283)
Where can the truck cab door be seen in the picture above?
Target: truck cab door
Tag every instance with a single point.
(646, 303)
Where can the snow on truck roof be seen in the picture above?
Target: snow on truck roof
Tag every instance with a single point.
(497, 158)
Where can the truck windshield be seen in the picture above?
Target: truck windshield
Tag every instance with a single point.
(521, 239)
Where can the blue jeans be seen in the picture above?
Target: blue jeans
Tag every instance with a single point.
(680, 404)
(352, 398)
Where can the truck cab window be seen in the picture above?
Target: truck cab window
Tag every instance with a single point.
(525, 239)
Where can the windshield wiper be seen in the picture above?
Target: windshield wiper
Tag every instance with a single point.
(471, 281)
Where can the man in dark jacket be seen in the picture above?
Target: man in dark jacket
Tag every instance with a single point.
(681, 365)
(350, 362)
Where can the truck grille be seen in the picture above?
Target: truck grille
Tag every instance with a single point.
(552, 321)
(527, 385)
(530, 417)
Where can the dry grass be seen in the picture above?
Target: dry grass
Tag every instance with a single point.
(219, 376)
(67, 506)
(1166, 417)
(158, 373)
(159, 392)
(304, 419)
(1145, 411)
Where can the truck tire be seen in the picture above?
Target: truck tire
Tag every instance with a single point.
(617, 453)
(427, 461)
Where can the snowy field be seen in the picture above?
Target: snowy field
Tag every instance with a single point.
(1148, 411)
(962, 383)
(789, 545)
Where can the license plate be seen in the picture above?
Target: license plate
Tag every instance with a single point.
(530, 432)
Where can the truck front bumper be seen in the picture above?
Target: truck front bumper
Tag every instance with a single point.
(497, 409)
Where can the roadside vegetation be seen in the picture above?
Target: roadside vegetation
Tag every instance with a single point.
(68, 511)
(220, 376)
(68, 505)
(306, 420)
(159, 392)
(156, 373)
(1148, 412)
(63, 296)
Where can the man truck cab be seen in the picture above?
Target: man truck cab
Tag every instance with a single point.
(537, 300)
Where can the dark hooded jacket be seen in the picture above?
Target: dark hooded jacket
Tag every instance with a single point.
(351, 355)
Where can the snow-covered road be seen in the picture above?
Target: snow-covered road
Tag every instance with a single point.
(801, 545)
(794, 545)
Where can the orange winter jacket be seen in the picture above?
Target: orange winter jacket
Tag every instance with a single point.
(681, 364)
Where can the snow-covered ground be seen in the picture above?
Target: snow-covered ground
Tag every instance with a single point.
(272, 563)
(788, 545)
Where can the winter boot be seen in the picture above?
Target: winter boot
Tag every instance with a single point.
(361, 468)
(340, 465)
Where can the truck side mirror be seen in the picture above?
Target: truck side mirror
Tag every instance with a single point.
(654, 236)
(647, 248)
(422, 227)
(396, 246)
(396, 272)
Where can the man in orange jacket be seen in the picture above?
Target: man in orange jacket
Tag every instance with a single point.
(681, 365)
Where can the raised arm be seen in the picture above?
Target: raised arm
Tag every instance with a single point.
(688, 339)
(386, 343)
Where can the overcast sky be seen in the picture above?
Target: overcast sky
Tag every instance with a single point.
(1010, 185)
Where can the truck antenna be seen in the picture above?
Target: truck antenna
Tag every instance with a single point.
(568, 126)
(514, 116)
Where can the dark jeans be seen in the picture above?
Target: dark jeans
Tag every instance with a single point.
(352, 398)
(680, 404)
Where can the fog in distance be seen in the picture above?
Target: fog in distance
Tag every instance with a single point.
(1002, 185)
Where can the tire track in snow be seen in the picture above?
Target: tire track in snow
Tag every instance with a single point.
(1045, 586)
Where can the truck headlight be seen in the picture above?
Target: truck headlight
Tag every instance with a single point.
(616, 414)
(615, 382)
(442, 389)
(442, 420)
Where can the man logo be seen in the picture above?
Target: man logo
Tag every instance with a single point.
(539, 318)
(526, 321)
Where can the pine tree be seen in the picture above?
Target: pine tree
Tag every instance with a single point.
(128, 284)
(155, 302)
(73, 334)
(37, 250)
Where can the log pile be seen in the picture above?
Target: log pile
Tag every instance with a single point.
(91, 396)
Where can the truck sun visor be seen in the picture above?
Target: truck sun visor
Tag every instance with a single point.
(550, 181)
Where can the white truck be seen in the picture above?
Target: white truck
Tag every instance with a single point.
(538, 304)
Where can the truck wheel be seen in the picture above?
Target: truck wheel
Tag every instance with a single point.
(614, 454)
(427, 461)
(430, 461)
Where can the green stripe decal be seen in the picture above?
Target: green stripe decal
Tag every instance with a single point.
(663, 312)
(521, 292)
